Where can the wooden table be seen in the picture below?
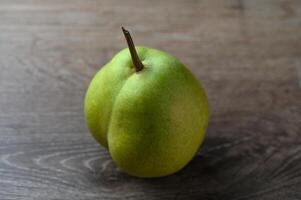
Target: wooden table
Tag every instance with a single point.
(247, 54)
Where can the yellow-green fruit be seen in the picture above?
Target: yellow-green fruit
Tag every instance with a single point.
(152, 121)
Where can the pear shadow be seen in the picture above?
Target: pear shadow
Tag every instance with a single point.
(204, 177)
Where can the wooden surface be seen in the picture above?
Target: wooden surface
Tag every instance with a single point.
(247, 54)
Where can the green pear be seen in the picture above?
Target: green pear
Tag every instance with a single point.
(148, 110)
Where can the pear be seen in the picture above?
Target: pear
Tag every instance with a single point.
(148, 110)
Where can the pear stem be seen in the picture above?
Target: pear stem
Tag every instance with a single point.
(136, 61)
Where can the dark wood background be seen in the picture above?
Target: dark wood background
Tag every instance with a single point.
(247, 54)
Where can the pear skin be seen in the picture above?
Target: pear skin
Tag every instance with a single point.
(152, 119)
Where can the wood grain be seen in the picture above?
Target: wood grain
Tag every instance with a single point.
(247, 55)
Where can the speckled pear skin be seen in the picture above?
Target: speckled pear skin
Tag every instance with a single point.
(152, 121)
